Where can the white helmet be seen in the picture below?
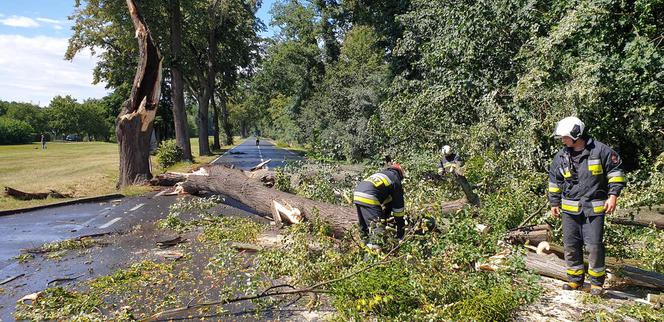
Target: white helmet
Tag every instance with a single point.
(446, 150)
(570, 126)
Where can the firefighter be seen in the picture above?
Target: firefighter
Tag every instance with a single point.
(449, 162)
(585, 180)
(378, 198)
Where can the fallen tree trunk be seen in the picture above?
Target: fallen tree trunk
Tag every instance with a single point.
(22, 195)
(168, 179)
(234, 184)
(552, 266)
(642, 216)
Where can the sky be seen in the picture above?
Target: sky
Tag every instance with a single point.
(33, 41)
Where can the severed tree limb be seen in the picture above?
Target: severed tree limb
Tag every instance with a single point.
(22, 195)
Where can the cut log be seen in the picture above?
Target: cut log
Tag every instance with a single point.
(656, 299)
(643, 216)
(552, 266)
(22, 195)
(531, 234)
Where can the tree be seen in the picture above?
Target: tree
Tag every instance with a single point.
(65, 116)
(177, 81)
(134, 124)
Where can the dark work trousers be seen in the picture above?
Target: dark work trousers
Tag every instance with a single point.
(371, 220)
(577, 231)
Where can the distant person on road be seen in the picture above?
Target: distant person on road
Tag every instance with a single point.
(43, 142)
(377, 198)
(258, 141)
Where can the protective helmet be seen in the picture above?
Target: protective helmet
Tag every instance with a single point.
(571, 127)
(446, 150)
(397, 166)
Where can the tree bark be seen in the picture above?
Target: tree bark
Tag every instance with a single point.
(226, 124)
(552, 266)
(643, 216)
(203, 135)
(179, 114)
(135, 121)
(215, 123)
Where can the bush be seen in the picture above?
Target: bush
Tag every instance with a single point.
(168, 154)
(14, 131)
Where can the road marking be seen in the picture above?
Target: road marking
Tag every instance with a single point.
(137, 206)
(108, 224)
(229, 150)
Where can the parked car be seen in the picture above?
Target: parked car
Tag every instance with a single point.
(73, 138)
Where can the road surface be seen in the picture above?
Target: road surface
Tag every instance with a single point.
(247, 154)
(32, 229)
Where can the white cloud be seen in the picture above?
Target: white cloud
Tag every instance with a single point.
(32, 69)
(51, 21)
(19, 21)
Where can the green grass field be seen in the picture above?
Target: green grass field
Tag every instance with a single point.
(82, 169)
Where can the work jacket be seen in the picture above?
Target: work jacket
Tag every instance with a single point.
(584, 187)
(449, 161)
(381, 189)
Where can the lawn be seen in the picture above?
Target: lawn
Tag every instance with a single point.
(82, 169)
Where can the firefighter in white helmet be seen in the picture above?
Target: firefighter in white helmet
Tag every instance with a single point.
(585, 180)
(449, 162)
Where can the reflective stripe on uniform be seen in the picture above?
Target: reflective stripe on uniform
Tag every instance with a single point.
(595, 167)
(570, 205)
(598, 206)
(398, 212)
(566, 173)
(575, 270)
(365, 198)
(553, 187)
(597, 272)
(616, 177)
(379, 178)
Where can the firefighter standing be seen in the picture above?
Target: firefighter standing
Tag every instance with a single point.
(377, 198)
(585, 180)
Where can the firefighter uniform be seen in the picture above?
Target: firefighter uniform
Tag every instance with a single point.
(449, 162)
(580, 183)
(377, 198)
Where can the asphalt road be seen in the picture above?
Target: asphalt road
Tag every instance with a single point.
(247, 154)
(32, 229)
